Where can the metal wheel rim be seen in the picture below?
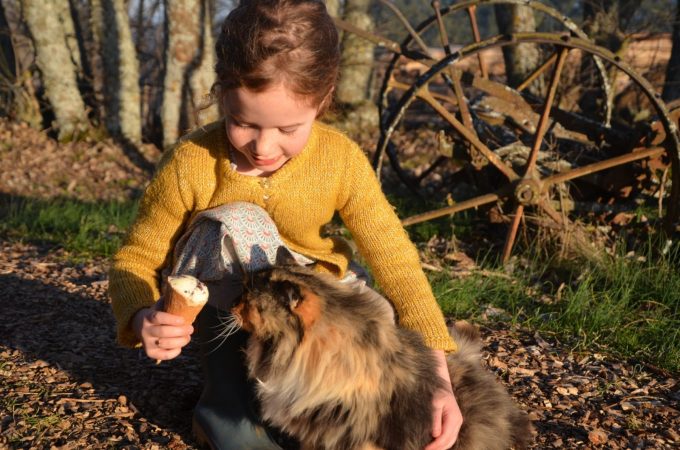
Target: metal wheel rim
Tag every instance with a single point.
(671, 142)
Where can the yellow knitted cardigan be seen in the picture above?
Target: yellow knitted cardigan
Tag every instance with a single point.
(330, 174)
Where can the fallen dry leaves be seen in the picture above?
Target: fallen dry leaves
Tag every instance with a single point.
(65, 384)
(585, 400)
(88, 171)
(63, 381)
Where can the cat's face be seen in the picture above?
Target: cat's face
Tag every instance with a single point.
(275, 303)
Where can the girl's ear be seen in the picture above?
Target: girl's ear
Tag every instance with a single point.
(325, 103)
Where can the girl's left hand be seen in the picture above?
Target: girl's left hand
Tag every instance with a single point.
(447, 418)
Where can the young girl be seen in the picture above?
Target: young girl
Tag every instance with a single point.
(277, 66)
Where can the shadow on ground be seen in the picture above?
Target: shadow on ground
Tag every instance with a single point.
(75, 333)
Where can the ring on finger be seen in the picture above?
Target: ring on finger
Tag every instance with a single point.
(158, 342)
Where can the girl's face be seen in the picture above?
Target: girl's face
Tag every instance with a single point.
(267, 128)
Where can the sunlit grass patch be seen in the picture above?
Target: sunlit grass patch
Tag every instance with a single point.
(85, 228)
(630, 306)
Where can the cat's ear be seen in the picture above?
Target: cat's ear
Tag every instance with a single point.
(308, 308)
(292, 293)
(284, 257)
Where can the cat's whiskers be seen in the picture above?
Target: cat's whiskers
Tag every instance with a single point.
(228, 326)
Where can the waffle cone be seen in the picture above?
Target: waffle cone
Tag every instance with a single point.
(185, 296)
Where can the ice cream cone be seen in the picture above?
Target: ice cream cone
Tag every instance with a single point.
(185, 296)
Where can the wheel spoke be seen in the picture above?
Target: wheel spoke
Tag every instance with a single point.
(472, 14)
(443, 36)
(462, 103)
(536, 73)
(426, 96)
(405, 87)
(512, 233)
(545, 116)
(627, 158)
(453, 79)
(635, 155)
(404, 21)
(462, 206)
(554, 215)
(379, 41)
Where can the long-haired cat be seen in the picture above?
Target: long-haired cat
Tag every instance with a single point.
(334, 371)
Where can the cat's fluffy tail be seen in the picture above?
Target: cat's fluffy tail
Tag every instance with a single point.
(469, 342)
(491, 419)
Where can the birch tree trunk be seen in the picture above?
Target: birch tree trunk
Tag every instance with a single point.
(8, 72)
(333, 8)
(671, 87)
(189, 56)
(63, 10)
(111, 27)
(353, 91)
(7, 64)
(522, 59)
(21, 103)
(200, 109)
(356, 62)
(54, 61)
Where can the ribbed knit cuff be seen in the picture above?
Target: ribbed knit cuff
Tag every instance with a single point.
(128, 296)
(437, 343)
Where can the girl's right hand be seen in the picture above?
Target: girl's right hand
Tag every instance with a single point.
(162, 334)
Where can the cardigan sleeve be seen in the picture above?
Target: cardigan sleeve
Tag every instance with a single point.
(134, 277)
(391, 255)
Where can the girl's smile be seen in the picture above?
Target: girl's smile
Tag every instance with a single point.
(267, 128)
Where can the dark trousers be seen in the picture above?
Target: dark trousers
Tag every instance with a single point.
(227, 413)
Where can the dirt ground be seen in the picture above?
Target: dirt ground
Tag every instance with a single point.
(64, 383)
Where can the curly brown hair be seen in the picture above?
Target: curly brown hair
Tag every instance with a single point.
(264, 42)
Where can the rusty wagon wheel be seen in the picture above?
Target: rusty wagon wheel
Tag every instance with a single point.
(530, 162)
(416, 47)
(421, 44)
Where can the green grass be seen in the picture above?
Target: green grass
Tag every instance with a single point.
(82, 228)
(630, 307)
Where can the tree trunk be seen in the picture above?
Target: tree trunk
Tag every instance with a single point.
(187, 58)
(20, 103)
(522, 59)
(604, 21)
(121, 69)
(356, 62)
(200, 109)
(671, 87)
(8, 71)
(63, 10)
(333, 8)
(7, 62)
(53, 58)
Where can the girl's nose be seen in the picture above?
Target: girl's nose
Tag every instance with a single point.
(263, 143)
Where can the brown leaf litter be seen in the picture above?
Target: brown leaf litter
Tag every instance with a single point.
(65, 384)
(33, 165)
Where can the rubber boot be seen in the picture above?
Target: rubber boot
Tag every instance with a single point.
(226, 416)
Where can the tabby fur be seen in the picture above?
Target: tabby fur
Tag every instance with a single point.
(334, 371)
